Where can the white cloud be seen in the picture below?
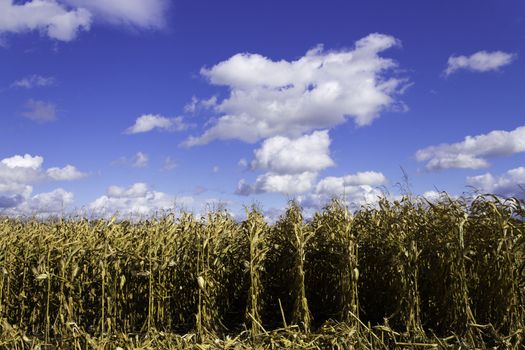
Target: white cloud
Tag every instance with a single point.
(66, 173)
(481, 61)
(55, 201)
(354, 198)
(209, 103)
(281, 155)
(472, 153)
(25, 161)
(354, 189)
(148, 122)
(459, 161)
(45, 204)
(292, 165)
(215, 169)
(33, 81)
(510, 183)
(289, 98)
(149, 14)
(138, 200)
(289, 184)
(46, 16)
(64, 19)
(40, 111)
(10, 188)
(136, 190)
(339, 186)
(19, 173)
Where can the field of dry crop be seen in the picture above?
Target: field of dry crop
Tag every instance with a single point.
(400, 275)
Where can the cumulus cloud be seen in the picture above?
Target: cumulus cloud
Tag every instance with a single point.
(338, 186)
(136, 200)
(45, 204)
(46, 16)
(355, 189)
(282, 155)
(19, 173)
(148, 122)
(510, 183)
(64, 19)
(354, 198)
(353, 186)
(33, 81)
(459, 161)
(289, 184)
(53, 202)
(481, 61)
(292, 165)
(136, 190)
(66, 173)
(473, 151)
(289, 98)
(25, 161)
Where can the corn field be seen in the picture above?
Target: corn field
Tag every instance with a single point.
(404, 274)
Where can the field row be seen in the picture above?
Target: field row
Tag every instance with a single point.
(406, 271)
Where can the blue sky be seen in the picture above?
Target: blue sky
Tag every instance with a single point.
(132, 106)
